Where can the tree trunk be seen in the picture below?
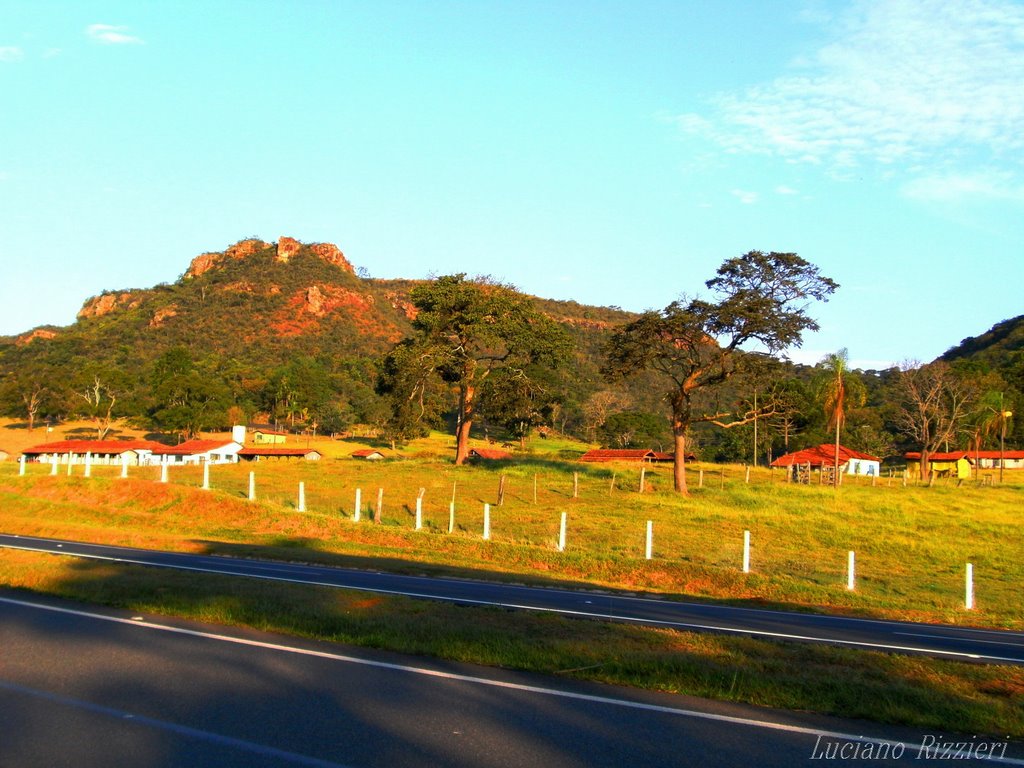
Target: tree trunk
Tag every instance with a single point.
(679, 465)
(835, 474)
(466, 409)
(925, 464)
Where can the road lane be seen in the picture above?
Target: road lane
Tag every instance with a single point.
(945, 641)
(95, 687)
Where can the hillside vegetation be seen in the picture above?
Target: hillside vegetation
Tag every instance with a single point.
(291, 334)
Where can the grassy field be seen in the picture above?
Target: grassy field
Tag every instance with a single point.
(912, 544)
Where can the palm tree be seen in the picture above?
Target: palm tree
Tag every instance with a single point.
(839, 393)
(990, 418)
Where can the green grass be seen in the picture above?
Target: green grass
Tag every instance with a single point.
(912, 544)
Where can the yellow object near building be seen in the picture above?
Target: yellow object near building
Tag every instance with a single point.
(957, 464)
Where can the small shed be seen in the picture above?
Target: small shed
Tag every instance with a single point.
(269, 437)
(258, 454)
(851, 462)
(367, 454)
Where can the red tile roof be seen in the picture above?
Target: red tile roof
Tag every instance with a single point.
(821, 456)
(941, 456)
(277, 451)
(364, 453)
(101, 447)
(1009, 455)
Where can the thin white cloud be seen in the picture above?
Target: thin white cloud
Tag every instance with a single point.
(744, 196)
(898, 84)
(954, 187)
(109, 34)
(782, 189)
(11, 53)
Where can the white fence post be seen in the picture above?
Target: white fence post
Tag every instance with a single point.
(163, 472)
(648, 550)
(21, 466)
(850, 570)
(53, 470)
(359, 505)
(124, 465)
(487, 522)
(451, 516)
(252, 486)
(746, 551)
(88, 463)
(561, 534)
(969, 588)
(206, 475)
(302, 497)
(419, 513)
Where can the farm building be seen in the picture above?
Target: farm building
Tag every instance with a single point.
(631, 454)
(991, 459)
(198, 452)
(98, 451)
(269, 437)
(951, 464)
(488, 454)
(367, 454)
(258, 454)
(851, 462)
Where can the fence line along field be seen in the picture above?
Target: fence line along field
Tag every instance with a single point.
(912, 543)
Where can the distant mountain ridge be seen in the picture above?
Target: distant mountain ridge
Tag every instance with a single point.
(1002, 343)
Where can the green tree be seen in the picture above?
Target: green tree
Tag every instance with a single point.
(466, 330)
(185, 399)
(759, 298)
(635, 429)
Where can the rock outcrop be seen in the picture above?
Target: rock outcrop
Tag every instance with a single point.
(204, 262)
(38, 333)
(287, 249)
(105, 303)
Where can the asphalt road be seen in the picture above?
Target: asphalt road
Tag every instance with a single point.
(82, 686)
(943, 641)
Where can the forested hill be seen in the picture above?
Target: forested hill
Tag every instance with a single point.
(999, 348)
(247, 317)
(292, 333)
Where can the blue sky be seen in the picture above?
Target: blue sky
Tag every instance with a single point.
(614, 153)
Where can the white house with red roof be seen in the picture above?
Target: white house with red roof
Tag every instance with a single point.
(198, 452)
(98, 451)
(851, 462)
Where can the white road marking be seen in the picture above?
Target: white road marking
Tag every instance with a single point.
(947, 637)
(554, 692)
(560, 611)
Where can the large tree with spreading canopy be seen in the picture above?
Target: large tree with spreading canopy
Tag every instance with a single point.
(758, 300)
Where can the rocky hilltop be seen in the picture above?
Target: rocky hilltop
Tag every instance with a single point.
(285, 250)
